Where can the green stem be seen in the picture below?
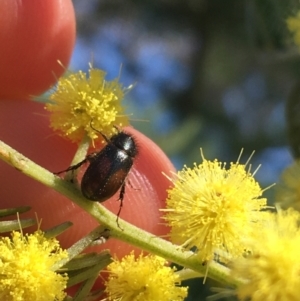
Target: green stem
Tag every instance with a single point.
(186, 274)
(81, 150)
(79, 156)
(129, 233)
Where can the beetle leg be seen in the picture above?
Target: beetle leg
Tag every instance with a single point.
(121, 197)
(130, 184)
(72, 167)
(89, 158)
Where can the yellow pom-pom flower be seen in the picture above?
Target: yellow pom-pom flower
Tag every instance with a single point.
(271, 271)
(293, 24)
(26, 268)
(288, 190)
(146, 278)
(212, 208)
(79, 102)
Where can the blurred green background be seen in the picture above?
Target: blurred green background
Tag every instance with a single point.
(212, 74)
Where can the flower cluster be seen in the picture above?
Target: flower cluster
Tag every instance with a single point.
(288, 190)
(293, 24)
(271, 271)
(26, 264)
(80, 104)
(146, 278)
(212, 208)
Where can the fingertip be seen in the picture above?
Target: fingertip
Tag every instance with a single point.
(34, 36)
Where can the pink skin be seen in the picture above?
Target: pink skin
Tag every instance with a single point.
(24, 125)
(34, 35)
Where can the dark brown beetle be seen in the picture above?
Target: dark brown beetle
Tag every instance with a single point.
(108, 169)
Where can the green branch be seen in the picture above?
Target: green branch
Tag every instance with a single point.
(129, 233)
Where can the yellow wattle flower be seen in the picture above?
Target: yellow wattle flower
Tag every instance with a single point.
(212, 208)
(80, 101)
(293, 24)
(288, 190)
(146, 278)
(271, 271)
(26, 268)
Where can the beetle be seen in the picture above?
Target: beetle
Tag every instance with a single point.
(108, 169)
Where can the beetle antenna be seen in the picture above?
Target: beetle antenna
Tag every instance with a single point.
(117, 128)
(105, 138)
